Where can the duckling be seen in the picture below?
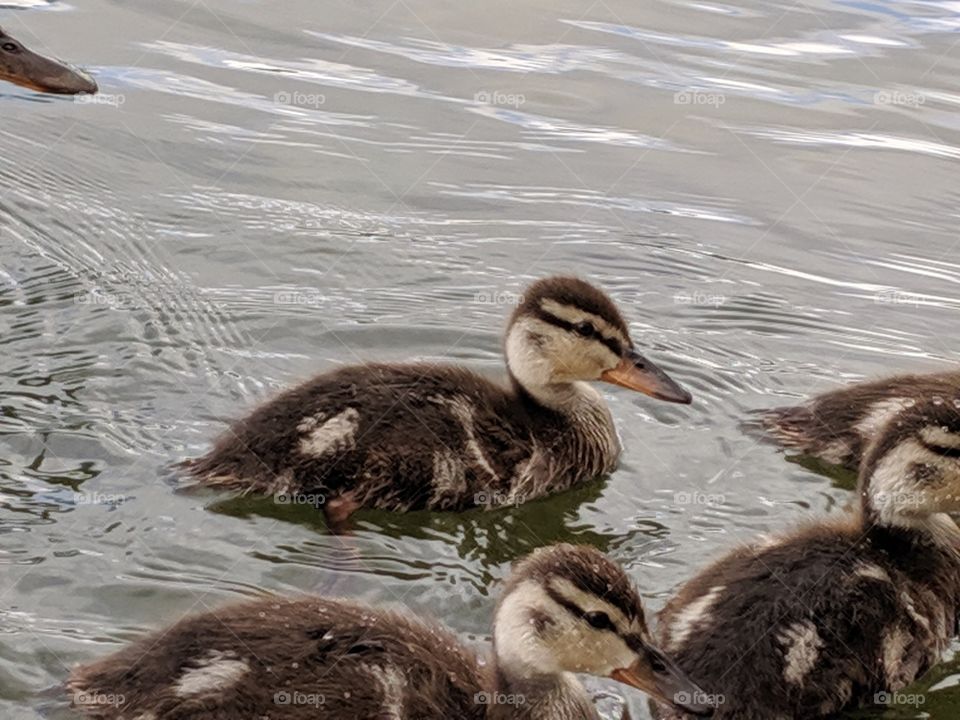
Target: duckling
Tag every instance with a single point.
(837, 426)
(836, 614)
(565, 609)
(422, 436)
(24, 67)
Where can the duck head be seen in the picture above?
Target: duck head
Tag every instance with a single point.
(910, 476)
(22, 66)
(569, 609)
(567, 330)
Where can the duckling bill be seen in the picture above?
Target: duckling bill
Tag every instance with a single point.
(419, 436)
(24, 67)
(842, 611)
(566, 609)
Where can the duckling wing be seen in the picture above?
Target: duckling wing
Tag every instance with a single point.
(813, 624)
(286, 659)
(396, 437)
(837, 426)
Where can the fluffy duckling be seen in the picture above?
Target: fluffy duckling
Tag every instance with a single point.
(837, 426)
(828, 617)
(24, 67)
(566, 609)
(423, 436)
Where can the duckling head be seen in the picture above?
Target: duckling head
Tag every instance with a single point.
(569, 609)
(566, 330)
(912, 471)
(22, 66)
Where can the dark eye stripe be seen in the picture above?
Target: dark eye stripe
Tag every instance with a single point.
(944, 450)
(615, 347)
(572, 607)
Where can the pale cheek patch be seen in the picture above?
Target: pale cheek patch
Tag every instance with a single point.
(215, 672)
(801, 643)
(334, 435)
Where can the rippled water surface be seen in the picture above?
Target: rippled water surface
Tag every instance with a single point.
(266, 190)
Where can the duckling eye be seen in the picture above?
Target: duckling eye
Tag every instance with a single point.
(584, 328)
(599, 620)
(10, 47)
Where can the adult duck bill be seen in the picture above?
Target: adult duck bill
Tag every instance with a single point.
(638, 373)
(24, 67)
(660, 678)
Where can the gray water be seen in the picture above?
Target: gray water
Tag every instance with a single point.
(265, 190)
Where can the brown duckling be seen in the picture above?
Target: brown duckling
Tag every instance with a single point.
(24, 67)
(565, 609)
(423, 436)
(837, 426)
(844, 610)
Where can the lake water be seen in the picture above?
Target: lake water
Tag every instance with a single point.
(266, 190)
